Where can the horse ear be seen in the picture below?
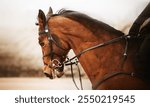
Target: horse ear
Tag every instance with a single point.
(42, 17)
(50, 12)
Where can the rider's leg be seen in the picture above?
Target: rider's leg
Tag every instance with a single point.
(143, 55)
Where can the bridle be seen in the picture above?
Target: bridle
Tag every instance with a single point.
(71, 62)
(55, 63)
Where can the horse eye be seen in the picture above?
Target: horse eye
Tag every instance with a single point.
(42, 44)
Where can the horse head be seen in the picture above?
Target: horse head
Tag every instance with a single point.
(53, 49)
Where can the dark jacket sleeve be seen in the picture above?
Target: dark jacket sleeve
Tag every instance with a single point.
(134, 30)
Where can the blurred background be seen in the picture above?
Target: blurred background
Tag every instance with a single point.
(20, 53)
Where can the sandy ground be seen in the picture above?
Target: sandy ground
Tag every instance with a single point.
(41, 84)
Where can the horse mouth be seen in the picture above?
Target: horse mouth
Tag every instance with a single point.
(53, 73)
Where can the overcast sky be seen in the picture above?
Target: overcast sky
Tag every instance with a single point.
(18, 17)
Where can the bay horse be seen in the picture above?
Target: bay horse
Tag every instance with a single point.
(101, 50)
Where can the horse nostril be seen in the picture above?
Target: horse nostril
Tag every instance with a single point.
(36, 23)
(49, 76)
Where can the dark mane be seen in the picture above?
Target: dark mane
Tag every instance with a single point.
(88, 22)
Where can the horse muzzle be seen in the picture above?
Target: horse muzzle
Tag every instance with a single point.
(53, 71)
(49, 73)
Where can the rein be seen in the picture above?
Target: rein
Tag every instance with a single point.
(108, 76)
(126, 37)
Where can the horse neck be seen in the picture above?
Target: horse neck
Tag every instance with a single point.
(100, 61)
(97, 62)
